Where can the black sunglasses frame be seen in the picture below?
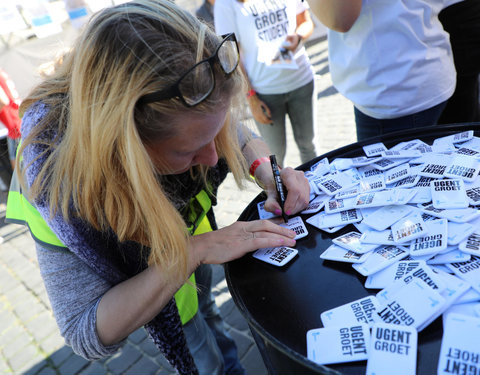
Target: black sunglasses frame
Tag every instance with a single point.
(174, 90)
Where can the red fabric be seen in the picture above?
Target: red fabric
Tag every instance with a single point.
(9, 113)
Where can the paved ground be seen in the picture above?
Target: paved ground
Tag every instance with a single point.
(29, 338)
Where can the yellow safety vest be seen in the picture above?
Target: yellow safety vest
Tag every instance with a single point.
(21, 211)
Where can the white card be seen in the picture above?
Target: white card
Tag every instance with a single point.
(393, 350)
(468, 271)
(434, 242)
(449, 194)
(362, 161)
(401, 154)
(449, 257)
(380, 258)
(278, 256)
(455, 138)
(473, 194)
(404, 196)
(384, 237)
(321, 167)
(464, 167)
(436, 168)
(340, 204)
(339, 254)
(374, 149)
(460, 349)
(374, 183)
(457, 232)
(262, 214)
(351, 241)
(376, 199)
(369, 171)
(408, 228)
(392, 273)
(324, 220)
(471, 245)
(359, 311)
(316, 204)
(386, 164)
(406, 182)
(334, 183)
(398, 173)
(422, 195)
(411, 305)
(385, 216)
(338, 344)
(296, 224)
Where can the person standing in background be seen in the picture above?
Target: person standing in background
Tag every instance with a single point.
(280, 76)
(9, 103)
(205, 11)
(462, 22)
(392, 59)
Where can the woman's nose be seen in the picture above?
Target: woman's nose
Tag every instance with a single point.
(208, 155)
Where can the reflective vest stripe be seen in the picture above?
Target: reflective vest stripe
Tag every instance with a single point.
(20, 211)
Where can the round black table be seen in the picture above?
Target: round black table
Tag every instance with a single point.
(281, 304)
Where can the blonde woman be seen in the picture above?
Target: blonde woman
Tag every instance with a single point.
(123, 148)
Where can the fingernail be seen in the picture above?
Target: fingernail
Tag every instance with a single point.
(293, 242)
(278, 212)
(288, 212)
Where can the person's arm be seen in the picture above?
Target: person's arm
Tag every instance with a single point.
(338, 15)
(303, 31)
(295, 181)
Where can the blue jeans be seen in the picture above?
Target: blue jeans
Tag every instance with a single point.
(298, 104)
(368, 127)
(212, 348)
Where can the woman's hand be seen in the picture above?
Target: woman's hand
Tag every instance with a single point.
(236, 240)
(298, 192)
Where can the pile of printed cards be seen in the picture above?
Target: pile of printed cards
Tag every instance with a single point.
(416, 211)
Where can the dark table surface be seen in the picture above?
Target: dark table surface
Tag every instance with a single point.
(282, 304)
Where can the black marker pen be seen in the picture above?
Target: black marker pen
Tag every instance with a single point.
(278, 185)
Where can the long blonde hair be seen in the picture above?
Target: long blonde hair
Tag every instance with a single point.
(98, 160)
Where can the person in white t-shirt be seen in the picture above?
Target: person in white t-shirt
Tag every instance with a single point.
(277, 67)
(392, 59)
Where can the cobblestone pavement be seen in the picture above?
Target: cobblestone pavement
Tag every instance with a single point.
(29, 339)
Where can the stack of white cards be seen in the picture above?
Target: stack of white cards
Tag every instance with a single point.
(416, 210)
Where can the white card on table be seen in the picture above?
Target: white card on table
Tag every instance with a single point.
(374, 183)
(296, 224)
(398, 173)
(321, 167)
(369, 171)
(460, 349)
(455, 138)
(386, 164)
(411, 305)
(334, 183)
(380, 258)
(464, 167)
(457, 232)
(376, 199)
(437, 167)
(401, 154)
(384, 237)
(324, 220)
(449, 257)
(338, 344)
(374, 149)
(468, 271)
(351, 241)
(278, 256)
(316, 204)
(434, 242)
(340, 254)
(449, 194)
(384, 217)
(406, 182)
(472, 244)
(359, 311)
(362, 161)
(382, 279)
(339, 204)
(393, 350)
(473, 194)
(262, 214)
(408, 228)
